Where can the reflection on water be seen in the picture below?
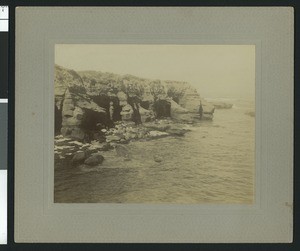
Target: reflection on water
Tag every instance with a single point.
(213, 163)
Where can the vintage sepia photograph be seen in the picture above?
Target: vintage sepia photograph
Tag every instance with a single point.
(154, 123)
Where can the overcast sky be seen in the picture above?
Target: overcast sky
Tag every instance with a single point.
(215, 70)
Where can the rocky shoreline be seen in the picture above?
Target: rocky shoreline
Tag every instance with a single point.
(89, 155)
(97, 111)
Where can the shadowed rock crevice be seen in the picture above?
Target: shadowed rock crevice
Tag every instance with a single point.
(134, 103)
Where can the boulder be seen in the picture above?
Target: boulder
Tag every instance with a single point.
(106, 147)
(79, 157)
(94, 160)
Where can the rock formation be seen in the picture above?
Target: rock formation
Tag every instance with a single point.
(88, 102)
(207, 110)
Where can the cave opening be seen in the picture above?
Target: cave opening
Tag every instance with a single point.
(105, 102)
(162, 108)
(57, 120)
(92, 123)
(116, 116)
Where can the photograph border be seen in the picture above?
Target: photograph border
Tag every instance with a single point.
(31, 15)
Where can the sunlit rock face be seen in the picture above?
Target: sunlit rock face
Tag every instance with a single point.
(190, 100)
(88, 101)
(80, 116)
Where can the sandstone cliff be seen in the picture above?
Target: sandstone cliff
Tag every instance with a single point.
(88, 101)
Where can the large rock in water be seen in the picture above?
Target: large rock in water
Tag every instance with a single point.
(94, 160)
(79, 157)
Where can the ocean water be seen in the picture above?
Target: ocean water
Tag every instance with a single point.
(213, 163)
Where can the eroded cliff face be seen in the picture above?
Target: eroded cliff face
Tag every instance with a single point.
(88, 101)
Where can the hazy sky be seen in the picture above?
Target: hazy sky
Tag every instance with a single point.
(215, 70)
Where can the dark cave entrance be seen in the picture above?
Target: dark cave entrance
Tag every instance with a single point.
(104, 102)
(162, 108)
(117, 109)
(92, 123)
(92, 120)
(57, 120)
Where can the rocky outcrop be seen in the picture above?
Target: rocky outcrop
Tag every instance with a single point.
(63, 80)
(179, 113)
(80, 116)
(88, 101)
(207, 110)
(190, 100)
(67, 150)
